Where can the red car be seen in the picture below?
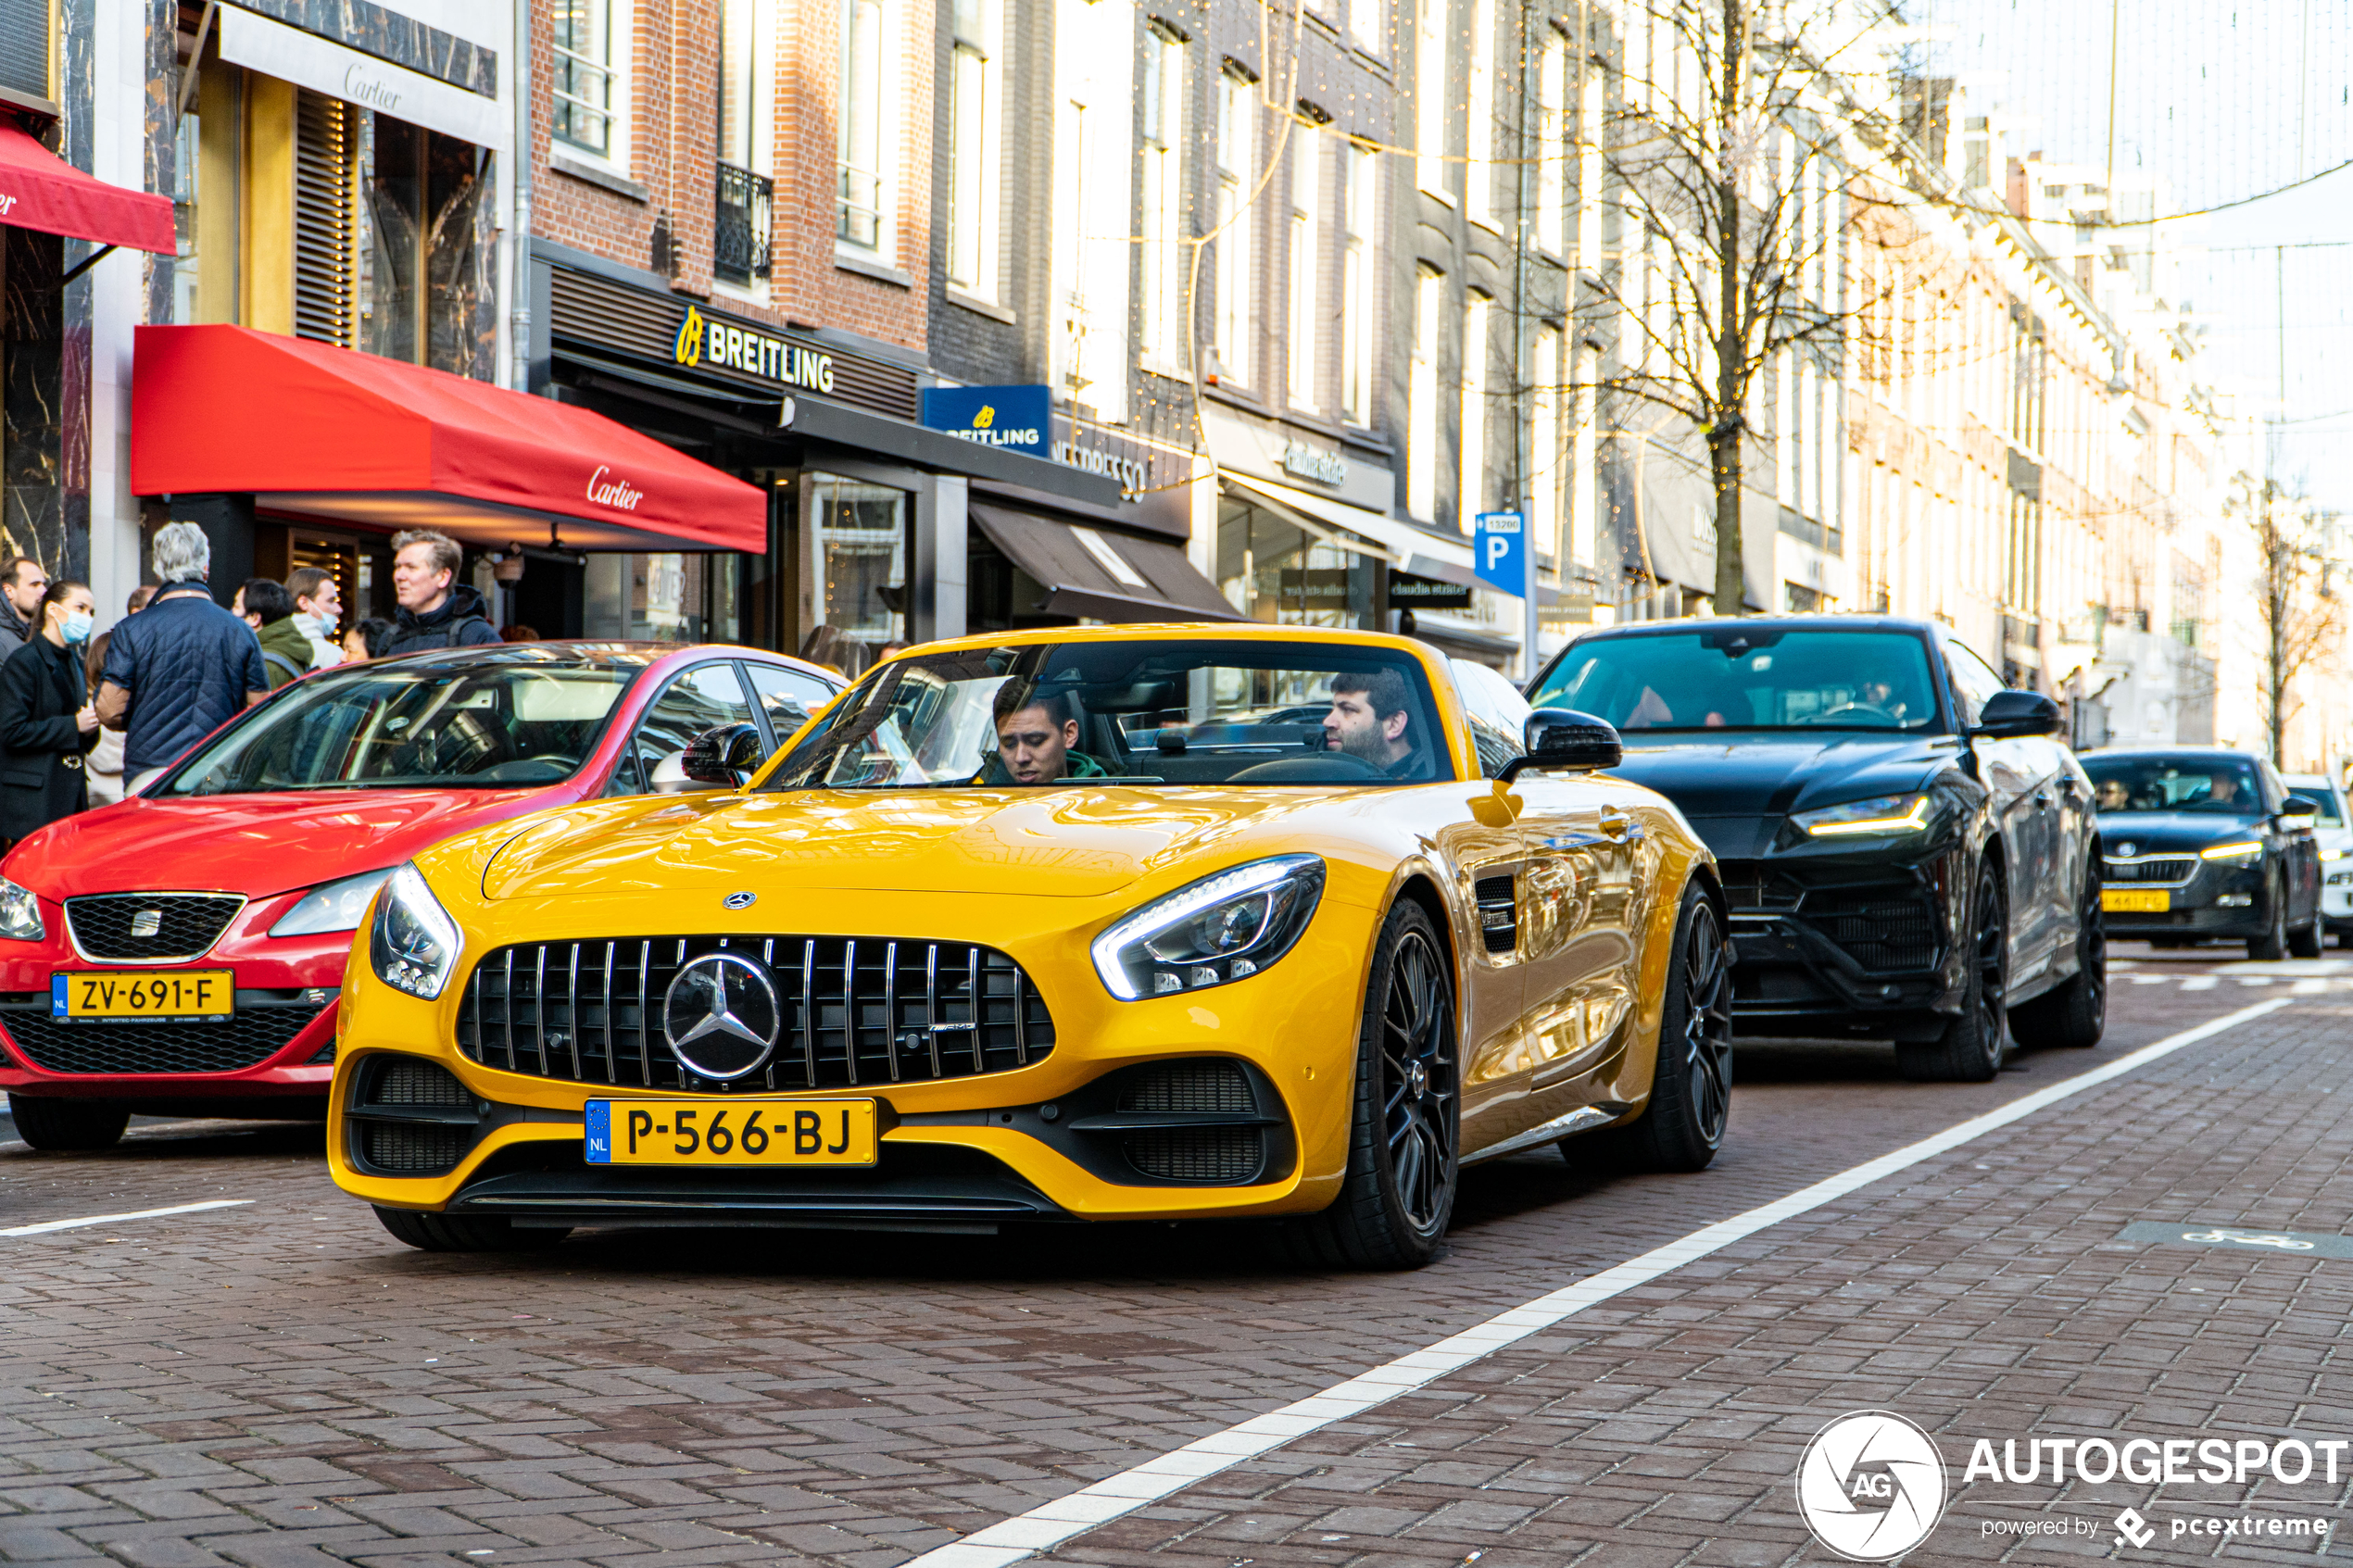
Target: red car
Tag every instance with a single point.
(182, 953)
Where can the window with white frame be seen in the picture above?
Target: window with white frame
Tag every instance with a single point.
(1163, 103)
(1552, 145)
(1430, 97)
(1473, 464)
(740, 99)
(1236, 114)
(1544, 442)
(1480, 111)
(972, 149)
(586, 70)
(1421, 415)
(1360, 265)
(862, 221)
(1368, 25)
(1299, 352)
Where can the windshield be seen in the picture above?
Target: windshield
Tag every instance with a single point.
(2221, 785)
(1138, 713)
(1743, 678)
(397, 726)
(2320, 800)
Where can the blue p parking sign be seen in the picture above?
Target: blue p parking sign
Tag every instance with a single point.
(1501, 544)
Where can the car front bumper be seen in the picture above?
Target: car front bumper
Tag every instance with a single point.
(2219, 901)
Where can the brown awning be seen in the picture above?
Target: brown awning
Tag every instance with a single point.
(1103, 576)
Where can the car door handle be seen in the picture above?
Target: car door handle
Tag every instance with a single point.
(1619, 824)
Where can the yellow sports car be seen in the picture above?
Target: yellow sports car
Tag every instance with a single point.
(1099, 923)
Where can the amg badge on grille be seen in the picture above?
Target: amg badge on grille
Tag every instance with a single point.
(740, 901)
(146, 923)
(723, 1016)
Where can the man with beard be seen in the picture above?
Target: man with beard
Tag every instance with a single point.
(1372, 719)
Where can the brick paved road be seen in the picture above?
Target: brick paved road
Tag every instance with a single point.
(282, 1383)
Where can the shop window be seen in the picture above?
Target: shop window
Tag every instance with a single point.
(187, 172)
(663, 597)
(703, 698)
(426, 274)
(864, 114)
(859, 564)
(1273, 570)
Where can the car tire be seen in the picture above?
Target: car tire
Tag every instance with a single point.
(2272, 946)
(2307, 941)
(1969, 1049)
(1682, 1126)
(68, 1126)
(1404, 1126)
(450, 1233)
(2074, 1013)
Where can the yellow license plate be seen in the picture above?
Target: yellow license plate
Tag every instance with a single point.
(2135, 901)
(155, 993)
(738, 1131)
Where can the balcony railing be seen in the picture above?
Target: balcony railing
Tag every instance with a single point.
(740, 234)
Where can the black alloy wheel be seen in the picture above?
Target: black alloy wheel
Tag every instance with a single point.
(2074, 1012)
(2307, 941)
(68, 1126)
(2272, 946)
(1398, 1194)
(1969, 1049)
(1690, 1098)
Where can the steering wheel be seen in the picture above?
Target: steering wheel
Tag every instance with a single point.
(1832, 716)
(1323, 766)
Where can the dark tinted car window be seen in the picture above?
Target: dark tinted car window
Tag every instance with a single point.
(1750, 679)
(2219, 785)
(704, 697)
(787, 696)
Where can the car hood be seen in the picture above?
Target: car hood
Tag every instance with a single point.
(2154, 832)
(257, 845)
(1773, 772)
(1073, 842)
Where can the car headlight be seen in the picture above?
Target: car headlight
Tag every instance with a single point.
(1880, 813)
(20, 914)
(2331, 854)
(335, 906)
(1221, 929)
(414, 946)
(2247, 849)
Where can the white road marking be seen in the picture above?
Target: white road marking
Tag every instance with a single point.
(2198, 983)
(47, 1226)
(1051, 1523)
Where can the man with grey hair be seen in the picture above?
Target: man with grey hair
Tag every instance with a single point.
(182, 667)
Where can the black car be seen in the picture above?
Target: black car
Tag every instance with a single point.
(1908, 850)
(2199, 842)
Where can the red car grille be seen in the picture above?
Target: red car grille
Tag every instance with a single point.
(257, 1033)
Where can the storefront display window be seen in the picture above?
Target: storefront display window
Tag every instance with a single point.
(660, 597)
(1272, 570)
(860, 565)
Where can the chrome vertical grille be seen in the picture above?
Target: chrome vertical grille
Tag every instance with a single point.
(857, 1012)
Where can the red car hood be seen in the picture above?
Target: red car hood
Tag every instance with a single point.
(256, 844)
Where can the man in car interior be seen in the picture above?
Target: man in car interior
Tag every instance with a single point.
(1036, 733)
(2222, 792)
(1371, 719)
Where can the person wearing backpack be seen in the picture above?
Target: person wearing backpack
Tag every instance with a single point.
(269, 611)
(437, 610)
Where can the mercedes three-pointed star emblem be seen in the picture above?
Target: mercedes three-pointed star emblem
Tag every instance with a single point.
(722, 1015)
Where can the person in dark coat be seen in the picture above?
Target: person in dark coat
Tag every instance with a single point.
(46, 724)
(437, 610)
(180, 668)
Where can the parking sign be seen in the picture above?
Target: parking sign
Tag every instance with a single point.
(1502, 545)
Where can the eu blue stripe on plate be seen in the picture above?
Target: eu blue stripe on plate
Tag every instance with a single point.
(600, 1132)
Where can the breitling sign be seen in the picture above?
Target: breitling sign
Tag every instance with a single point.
(703, 340)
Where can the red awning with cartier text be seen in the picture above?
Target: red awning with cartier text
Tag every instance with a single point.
(310, 429)
(39, 190)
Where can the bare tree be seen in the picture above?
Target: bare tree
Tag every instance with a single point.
(1722, 159)
(2297, 611)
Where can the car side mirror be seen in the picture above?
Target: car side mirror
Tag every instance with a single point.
(1567, 740)
(2009, 714)
(726, 756)
(2297, 821)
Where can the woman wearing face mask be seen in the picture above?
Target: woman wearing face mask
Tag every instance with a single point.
(46, 722)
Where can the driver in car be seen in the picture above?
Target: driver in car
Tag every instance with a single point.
(1371, 720)
(1035, 736)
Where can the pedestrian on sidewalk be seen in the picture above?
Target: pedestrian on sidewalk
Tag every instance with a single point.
(182, 667)
(367, 640)
(22, 581)
(46, 724)
(437, 610)
(318, 607)
(102, 767)
(269, 611)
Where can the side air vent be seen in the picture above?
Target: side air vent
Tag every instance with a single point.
(1498, 912)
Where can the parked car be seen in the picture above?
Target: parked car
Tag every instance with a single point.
(888, 986)
(2332, 834)
(2200, 842)
(183, 952)
(1908, 846)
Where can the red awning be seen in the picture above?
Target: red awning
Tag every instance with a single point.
(314, 430)
(40, 190)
